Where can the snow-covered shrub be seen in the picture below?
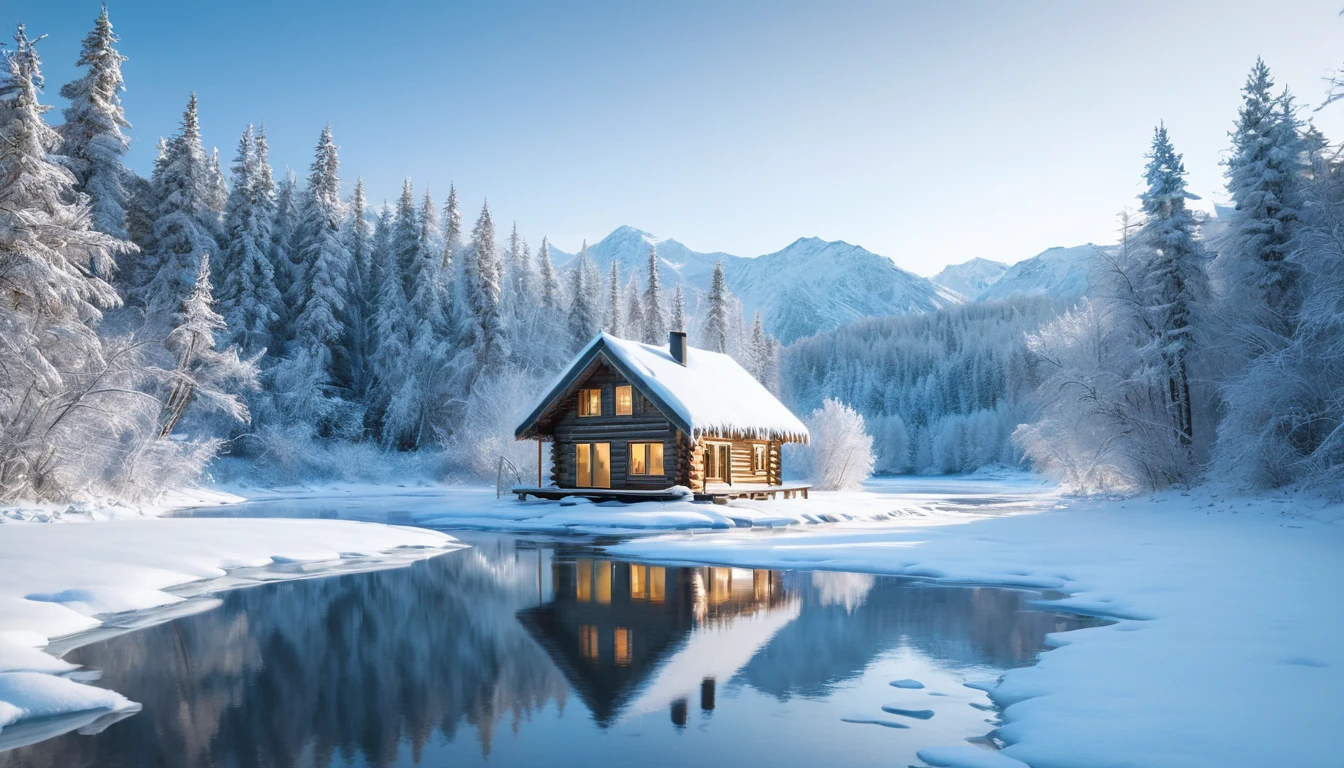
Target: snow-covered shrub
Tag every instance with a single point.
(484, 433)
(840, 454)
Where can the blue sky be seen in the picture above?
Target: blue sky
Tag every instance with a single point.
(931, 133)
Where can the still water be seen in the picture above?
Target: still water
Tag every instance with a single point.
(532, 652)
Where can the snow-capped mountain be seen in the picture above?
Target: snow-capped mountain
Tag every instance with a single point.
(818, 285)
(812, 285)
(971, 278)
(1059, 272)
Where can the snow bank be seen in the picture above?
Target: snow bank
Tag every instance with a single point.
(1226, 651)
(913, 501)
(65, 579)
(88, 510)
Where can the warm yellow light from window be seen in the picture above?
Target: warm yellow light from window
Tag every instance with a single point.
(603, 572)
(639, 458)
(583, 463)
(601, 465)
(720, 585)
(583, 587)
(590, 402)
(656, 459)
(588, 641)
(646, 459)
(622, 639)
(639, 582)
(625, 401)
(657, 583)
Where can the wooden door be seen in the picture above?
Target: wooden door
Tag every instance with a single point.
(719, 462)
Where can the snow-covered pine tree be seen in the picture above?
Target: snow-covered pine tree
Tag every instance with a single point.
(185, 221)
(634, 309)
(551, 292)
(201, 373)
(485, 291)
(411, 412)
(219, 188)
(757, 352)
(716, 330)
(520, 265)
(248, 297)
(1264, 179)
(56, 418)
(92, 134)
(289, 275)
(678, 320)
(1175, 282)
(452, 233)
(406, 238)
(612, 322)
(654, 327)
(391, 338)
(583, 313)
(359, 309)
(320, 348)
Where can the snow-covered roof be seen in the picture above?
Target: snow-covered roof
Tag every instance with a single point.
(711, 395)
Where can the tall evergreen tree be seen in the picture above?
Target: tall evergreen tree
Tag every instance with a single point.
(406, 238)
(92, 133)
(716, 325)
(613, 324)
(550, 281)
(248, 297)
(320, 329)
(678, 320)
(1175, 281)
(51, 258)
(452, 232)
(1264, 178)
(185, 221)
(634, 309)
(390, 323)
(289, 272)
(219, 188)
(485, 286)
(359, 310)
(583, 311)
(655, 319)
(201, 373)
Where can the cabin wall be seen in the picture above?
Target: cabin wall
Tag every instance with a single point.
(646, 425)
(741, 472)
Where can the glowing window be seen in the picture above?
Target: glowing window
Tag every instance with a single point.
(588, 641)
(657, 583)
(602, 570)
(590, 402)
(646, 458)
(622, 639)
(625, 401)
(601, 465)
(639, 582)
(583, 586)
(583, 465)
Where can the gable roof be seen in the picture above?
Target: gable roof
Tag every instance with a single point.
(709, 396)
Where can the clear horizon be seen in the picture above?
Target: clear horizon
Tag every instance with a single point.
(928, 135)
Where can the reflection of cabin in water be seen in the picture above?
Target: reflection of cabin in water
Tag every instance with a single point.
(635, 638)
(631, 421)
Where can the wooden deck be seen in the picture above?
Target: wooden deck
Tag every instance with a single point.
(719, 493)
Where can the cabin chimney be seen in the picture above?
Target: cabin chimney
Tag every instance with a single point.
(676, 344)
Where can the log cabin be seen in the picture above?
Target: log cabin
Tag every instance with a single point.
(634, 421)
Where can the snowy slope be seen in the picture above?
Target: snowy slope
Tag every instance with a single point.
(971, 278)
(817, 285)
(1061, 273)
(812, 285)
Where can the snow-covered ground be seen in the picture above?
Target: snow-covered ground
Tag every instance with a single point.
(1227, 647)
(912, 502)
(79, 580)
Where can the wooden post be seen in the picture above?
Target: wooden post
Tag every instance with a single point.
(539, 460)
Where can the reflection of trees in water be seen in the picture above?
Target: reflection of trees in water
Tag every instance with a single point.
(840, 631)
(353, 666)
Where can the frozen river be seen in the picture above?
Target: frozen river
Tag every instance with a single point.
(526, 650)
